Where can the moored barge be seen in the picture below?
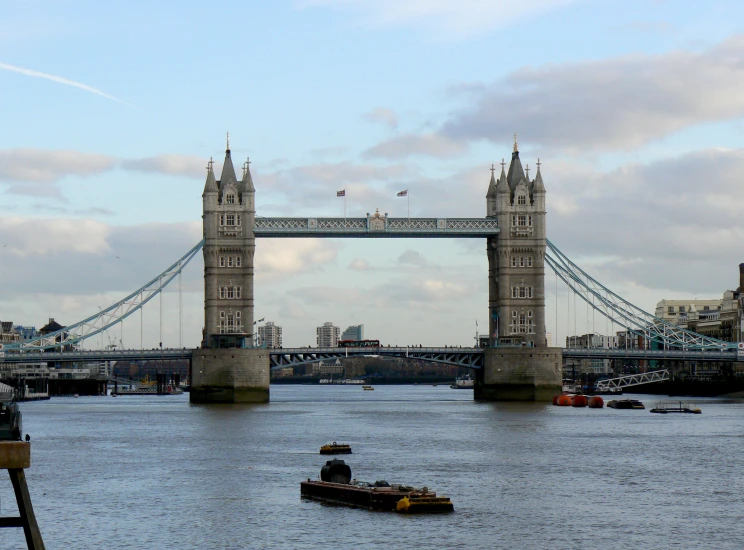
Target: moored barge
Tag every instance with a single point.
(336, 487)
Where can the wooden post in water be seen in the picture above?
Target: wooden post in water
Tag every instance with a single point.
(15, 456)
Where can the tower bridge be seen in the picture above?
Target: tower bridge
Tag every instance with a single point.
(227, 368)
(516, 364)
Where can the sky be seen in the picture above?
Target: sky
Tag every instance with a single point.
(109, 113)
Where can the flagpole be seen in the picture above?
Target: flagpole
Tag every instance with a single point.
(344, 207)
(408, 197)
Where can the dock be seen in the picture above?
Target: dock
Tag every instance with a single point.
(15, 456)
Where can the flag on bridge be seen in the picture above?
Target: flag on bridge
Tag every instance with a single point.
(341, 193)
(403, 193)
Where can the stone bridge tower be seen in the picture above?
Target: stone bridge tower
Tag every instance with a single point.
(228, 368)
(518, 363)
(516, 258)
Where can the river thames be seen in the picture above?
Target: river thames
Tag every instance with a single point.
(157, 472)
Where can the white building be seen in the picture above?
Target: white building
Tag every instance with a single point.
(676, 311)
(270, 335)
(327, 335)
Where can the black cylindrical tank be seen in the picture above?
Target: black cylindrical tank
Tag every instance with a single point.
(335, 471)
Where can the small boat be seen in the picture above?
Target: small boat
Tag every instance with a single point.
(335, 449)
(76, 396)
(337, 487)
(367, 387)
(465, 383)
(675, 407)
(625, 404)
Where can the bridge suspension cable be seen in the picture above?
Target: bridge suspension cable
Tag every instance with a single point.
(618, 310)
(110, 316)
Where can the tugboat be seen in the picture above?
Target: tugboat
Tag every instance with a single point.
(337, 487)
(335, 449)
(625, 404)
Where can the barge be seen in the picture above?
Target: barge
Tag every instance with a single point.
(337, 487)
(676, 407)
(625, 404)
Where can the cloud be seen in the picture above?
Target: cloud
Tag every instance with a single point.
(434, 145)
(383, 115)
(672, 224)
(610, 104)
(311, 187)
(452, 19)
(280, 257)
(412, 257)
(61, 80)
(174, 165)
(49, 166)
(359, 264)
(421, 293)
(39, 237)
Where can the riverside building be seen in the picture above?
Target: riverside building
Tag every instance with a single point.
(354, 332)
(270, 335)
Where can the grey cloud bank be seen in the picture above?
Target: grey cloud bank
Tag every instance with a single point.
(609, 104)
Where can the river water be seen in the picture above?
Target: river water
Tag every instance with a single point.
(157, 472)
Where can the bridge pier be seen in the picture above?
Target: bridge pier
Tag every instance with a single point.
(519, 374)
(230, 376)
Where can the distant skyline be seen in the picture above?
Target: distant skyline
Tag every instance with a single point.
(112, 112)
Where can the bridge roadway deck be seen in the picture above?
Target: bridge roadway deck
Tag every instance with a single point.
(284, 357)
(659, 355)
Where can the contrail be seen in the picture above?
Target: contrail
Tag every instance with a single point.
(62, 80)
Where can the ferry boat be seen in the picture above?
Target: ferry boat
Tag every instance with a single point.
(625, 404)
(367, 387)
(675, 407)
(335, 449)
(464, 383)
(337, 487)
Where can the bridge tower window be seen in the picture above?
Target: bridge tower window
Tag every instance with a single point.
(237, 261)
(230, 218)
(521, 200)
(230, 261)
(230, 199)
(514, 261)
(238, 218)
(222, 292)
(222, 219)
(222, 261)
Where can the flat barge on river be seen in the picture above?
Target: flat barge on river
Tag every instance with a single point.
(336, 487)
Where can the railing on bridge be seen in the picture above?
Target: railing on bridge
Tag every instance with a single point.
(375, 226)
(463, 357)
(651, 354)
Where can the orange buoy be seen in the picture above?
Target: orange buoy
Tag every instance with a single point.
(596, 402)
(563, 401)
(579, 401)
(555, 399)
